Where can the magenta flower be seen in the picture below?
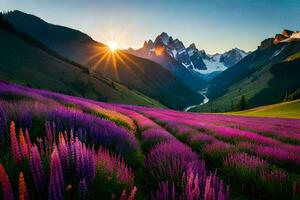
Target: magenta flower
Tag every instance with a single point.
(64, 153)
(245, 161)
(27, 137)
(123, 195)
(56, 184)
(167, 161)
(37, 171)
(209, 193)
(132, 194)
(114, 165)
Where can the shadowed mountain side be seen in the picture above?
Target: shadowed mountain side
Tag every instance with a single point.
(143, 75)
(189, 77)
(137, 73)
(24, 61)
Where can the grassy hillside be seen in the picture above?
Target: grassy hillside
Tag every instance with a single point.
(266, 86)
(264, 77)
(286, 109)
(24, 63)
(137, 73)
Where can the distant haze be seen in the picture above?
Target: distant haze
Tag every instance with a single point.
(213, 25)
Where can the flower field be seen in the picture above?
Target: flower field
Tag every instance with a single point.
(54, 146)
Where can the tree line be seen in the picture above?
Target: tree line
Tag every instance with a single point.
(292, 96)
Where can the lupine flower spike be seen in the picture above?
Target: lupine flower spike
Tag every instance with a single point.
(28, 138)
(56, 184)
(6, 187)
(133, 193)
(23, 194)
(82, 187)
(37, 171)
(123, 195)
(14, 144)
(23, 144)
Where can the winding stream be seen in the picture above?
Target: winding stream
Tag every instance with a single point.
(205, 100)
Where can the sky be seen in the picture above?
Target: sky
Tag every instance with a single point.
(213, 25)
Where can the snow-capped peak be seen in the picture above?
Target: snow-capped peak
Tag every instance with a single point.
(163, 38)
(189, 57)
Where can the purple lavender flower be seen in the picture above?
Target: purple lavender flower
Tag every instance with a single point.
(154, 136)
(56, 184)
(37, 171)
(167, 161)
(82, 188)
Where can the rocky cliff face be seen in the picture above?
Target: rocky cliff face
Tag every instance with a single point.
(193, 59)
(287, 36)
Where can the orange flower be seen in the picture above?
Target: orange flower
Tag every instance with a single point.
(23, 144)
(22, 188)
(5, 183)
(14, 144)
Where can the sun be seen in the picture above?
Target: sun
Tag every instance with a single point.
(113, 45)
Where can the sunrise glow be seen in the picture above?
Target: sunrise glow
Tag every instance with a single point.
(113, 45)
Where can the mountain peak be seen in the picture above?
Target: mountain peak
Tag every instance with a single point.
(287, 33)
(287, 36)
(164, 34)
(232, 56)
(162, 39)
(237, 49)
(192, 46)
(191, 58)
(145, 43)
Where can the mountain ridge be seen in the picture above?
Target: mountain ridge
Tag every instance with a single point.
(196, 62)
(33, 64)
(136, 73)
(263, 77)
(175, 48)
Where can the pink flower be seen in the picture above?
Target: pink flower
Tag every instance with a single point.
(28, 138)
(123, 195)
(6, 187)
(56, 184)
(14, 144)
(37, 171)
(23, 144)
(133, 193)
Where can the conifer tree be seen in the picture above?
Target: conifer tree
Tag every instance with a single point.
(242, 104)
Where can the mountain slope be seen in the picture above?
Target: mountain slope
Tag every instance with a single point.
(189, 77)
(194, 67)
(232, 57)
(68, 42)
(263, 77)
(251, 63)
(23, 61)
(137, 73)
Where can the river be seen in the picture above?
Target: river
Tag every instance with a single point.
(205, 100)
